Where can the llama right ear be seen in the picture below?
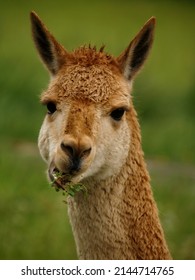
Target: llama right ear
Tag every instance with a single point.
(133, 58)
(51, 52)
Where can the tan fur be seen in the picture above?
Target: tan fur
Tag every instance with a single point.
(118, 218)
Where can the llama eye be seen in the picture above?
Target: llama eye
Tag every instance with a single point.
(117, 114)
(51, 107)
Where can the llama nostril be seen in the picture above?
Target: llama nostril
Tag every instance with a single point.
(85, 152)
(70, 150)
(76, 149)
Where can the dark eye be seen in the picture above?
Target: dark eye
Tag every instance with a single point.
(117, 114)
(51, 107)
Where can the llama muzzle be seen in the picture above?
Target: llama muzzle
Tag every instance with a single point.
(60, 179)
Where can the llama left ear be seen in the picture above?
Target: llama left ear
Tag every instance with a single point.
(133, 58)
(51, 52)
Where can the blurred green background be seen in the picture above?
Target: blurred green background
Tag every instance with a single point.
(33, 218)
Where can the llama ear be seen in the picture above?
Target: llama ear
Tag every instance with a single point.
(51, 52)
(133, 58)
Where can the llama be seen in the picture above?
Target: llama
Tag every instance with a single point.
(91, 132)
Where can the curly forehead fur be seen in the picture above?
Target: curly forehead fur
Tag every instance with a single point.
(87, 56)
(88, 74)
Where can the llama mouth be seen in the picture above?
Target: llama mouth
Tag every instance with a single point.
(58, 179)
(63, 181)
(68, 183)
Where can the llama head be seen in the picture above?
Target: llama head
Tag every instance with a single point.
(86, 131)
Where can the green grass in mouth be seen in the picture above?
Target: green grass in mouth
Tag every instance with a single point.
(64, 182)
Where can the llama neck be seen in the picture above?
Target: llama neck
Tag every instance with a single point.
(118, 219)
